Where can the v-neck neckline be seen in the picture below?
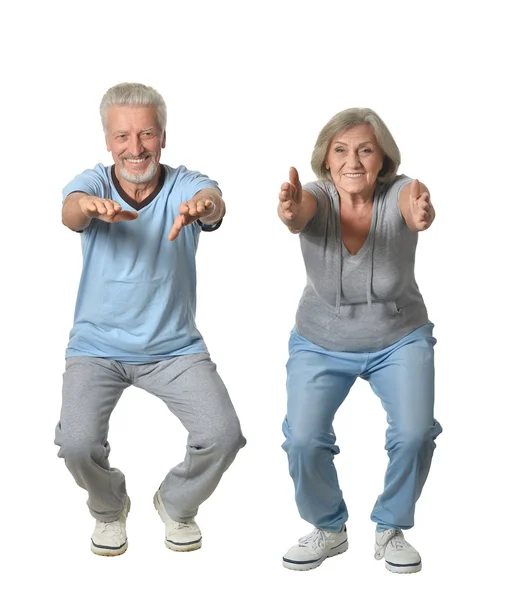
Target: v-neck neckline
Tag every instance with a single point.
(128, 199)
(367, 242)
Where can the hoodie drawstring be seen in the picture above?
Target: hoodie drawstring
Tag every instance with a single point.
(369, 286)
(370, 271)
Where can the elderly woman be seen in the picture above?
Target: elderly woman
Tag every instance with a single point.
(361, 315)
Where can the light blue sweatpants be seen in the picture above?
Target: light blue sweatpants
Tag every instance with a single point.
(318, 381)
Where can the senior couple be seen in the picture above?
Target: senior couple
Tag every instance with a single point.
(361, 315)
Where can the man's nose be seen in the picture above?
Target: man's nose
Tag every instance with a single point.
(135, 146)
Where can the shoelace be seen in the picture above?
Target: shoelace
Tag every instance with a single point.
(187, 523)
(315, 539)
(113, 527)
(392, 536)
(398, 542)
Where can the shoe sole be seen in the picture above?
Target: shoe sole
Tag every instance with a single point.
(296, 566)
(189, 547)
(403, 570)
(106, 551)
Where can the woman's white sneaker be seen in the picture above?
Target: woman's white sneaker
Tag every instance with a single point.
(110, 539)
(313, 548)
(181, 537)
(400, 556)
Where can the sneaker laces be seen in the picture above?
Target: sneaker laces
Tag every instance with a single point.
(392, 536)
(186, 523)
(113, 527)
(315, 539)
(398, 542)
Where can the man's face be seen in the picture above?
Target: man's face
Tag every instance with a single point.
(135, 139)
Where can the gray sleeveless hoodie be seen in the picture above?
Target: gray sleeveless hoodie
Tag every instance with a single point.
(362, 302)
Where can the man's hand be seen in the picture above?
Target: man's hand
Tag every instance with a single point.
(104, 210)
(422, 212)
(198, 207)
(79, 209)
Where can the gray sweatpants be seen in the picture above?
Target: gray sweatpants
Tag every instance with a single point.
(193, 391)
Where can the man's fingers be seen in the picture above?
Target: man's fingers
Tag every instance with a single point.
(184, 208)
(90, 209)
(100, 207)
(179, 223)
(105, 209)
(203, 207)
(116, 207)
(125, 215)
(110, 207)
(193, 207)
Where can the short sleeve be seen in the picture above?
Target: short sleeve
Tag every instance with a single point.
(192, 182)
(320, 191)
(93, 182)
(392, 194)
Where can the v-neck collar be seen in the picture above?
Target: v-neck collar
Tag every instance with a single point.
(128, 199)
(367, 242)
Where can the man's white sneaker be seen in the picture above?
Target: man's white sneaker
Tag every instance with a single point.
(312, 549)
(110, 539)
(181, 537)
(400, 556)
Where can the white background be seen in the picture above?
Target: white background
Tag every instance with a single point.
(248, 87)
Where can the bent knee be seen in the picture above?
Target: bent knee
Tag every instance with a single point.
(415, 440)
(232, 440)
(79, 451)
(306, 444)
(226, 441)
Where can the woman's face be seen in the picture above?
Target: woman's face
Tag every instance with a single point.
(354, 160)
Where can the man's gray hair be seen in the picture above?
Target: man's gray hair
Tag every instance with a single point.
(347, 119)
(134, 94)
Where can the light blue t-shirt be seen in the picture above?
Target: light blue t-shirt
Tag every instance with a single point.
(137, 295)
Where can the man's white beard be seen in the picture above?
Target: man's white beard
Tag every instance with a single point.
(144, 177)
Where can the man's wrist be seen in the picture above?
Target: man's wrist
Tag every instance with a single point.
(217, 214)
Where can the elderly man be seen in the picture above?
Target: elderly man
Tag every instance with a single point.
(134, 324)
